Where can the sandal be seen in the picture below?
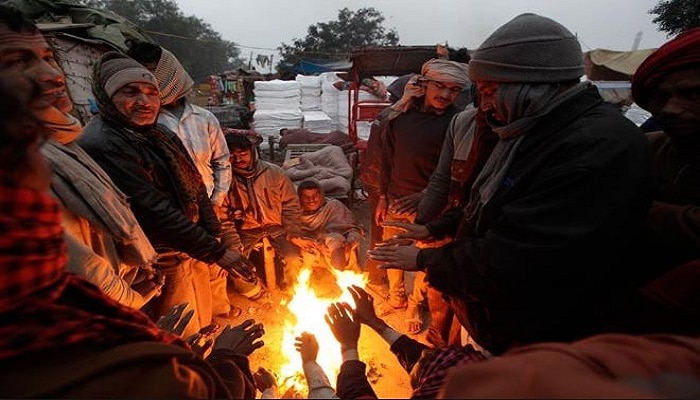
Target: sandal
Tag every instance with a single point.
(414, 322)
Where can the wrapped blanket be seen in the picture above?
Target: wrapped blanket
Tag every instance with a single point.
(328, 165)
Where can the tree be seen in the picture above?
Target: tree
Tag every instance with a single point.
(334, 40)
(676, 16)
(200, 49)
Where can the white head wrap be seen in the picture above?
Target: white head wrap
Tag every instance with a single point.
(436, 69)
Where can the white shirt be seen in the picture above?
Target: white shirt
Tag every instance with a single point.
(200, 132)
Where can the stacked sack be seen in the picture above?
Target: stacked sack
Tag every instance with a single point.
(329, 96)
(277, 106)
(315, 120)
(310, 92)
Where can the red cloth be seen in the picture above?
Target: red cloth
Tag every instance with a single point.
(682, 51)
(44, 306)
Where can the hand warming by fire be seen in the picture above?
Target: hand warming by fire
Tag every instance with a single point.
(306, 314)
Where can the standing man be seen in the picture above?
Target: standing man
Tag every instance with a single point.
(150, 164)
(415, 129)
(467, 145)
(200, 132)
(548, 241)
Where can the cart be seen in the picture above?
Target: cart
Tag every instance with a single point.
(368, 62)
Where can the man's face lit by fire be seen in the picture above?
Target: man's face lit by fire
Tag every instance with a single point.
(242, 158)
(139, 102)
(310, 199)
(29, 55)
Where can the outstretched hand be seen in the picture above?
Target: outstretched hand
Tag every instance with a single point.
(307, 346)
(149, 283)
(344, 328)
(173, 321)
(410, 231)
(234, 263)
(406, 204)
(396, 257)
(241, 339)
(201, 341)
(364, 305)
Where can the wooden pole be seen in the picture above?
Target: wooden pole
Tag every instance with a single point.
(269, 261)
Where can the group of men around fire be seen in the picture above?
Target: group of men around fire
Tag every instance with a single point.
(556, 233)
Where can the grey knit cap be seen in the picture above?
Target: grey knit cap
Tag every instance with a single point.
(528, 48)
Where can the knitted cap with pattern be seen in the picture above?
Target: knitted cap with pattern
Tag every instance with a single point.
(531, 49)
(118, 70)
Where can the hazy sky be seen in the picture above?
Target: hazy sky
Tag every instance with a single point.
(258, 26)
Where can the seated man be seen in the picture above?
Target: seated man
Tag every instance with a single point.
(261, 203)
(330, 224)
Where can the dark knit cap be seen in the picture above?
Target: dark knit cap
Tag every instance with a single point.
(529, 48)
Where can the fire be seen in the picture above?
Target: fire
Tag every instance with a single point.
(306, 314)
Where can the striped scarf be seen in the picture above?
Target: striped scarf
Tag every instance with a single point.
(173, 80)
(523, 106)
(189, 186)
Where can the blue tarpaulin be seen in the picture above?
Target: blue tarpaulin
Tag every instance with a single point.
(305, 67)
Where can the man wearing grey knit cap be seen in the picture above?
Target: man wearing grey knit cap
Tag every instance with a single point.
(544, 248)
(200, 132)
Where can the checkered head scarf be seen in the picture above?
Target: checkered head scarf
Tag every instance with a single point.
(174, 81)
(430, 372)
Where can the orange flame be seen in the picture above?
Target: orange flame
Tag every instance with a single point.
(307, 312)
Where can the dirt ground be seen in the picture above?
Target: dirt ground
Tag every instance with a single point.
(384, 372)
